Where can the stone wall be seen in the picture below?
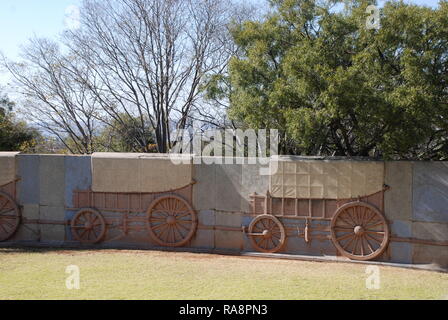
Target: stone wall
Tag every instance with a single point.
(416, 207)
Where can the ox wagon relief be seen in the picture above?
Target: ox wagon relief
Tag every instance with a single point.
(130, 186)
(9, 209)
(323, 191)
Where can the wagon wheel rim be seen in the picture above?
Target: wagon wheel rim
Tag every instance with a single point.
(88, 226)
(359, 231)
(9, 217)
(171, 221)
(267, 234)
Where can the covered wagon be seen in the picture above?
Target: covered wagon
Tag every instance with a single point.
(129, 185)
(346, 196)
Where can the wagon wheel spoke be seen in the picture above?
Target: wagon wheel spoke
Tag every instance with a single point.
(373, 238)
(179, 231)
(344, 237)
(344, 229)
(8, 210)
(6, 201)
(162, 225)
(355, 246)
(3, 228)
(262, 243)
(350, 241)
(374, 224)
(369, 245)
(381, 233)
(7, 223)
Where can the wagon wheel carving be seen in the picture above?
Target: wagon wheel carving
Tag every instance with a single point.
(9, 217)
(88, 226)
(267, 234)
(172, 222)
(359, 231)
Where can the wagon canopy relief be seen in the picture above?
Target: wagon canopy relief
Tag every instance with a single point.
(9, 209)
(137, 192)
(346, 195)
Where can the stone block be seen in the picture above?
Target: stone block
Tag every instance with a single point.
(52, 213)
(229, 219)
(28, 186)
(229, 240)
(430, 231)
(78, 176)
(27, 232)
(317, 247)
(204, 191)
(203, 238)
(52, 233)
(398, 199)
(400, 252)
(425, 254)
(30, 211)
(228, 187)
(207, 217)
(252, 181)
(430, 196)
(52, 180)
(401, 228)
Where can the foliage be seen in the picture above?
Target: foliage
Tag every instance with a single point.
(333, 87)
(127, 136)
(15, 135)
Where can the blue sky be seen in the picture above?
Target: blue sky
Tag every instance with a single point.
(21, 19)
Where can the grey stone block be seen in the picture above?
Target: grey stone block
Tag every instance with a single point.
(229, 240)
(207, 217)
(52, 180)
(398, 199)
(204, 191)
(78, 176)
(401, 228)
(30, 211)
(318, 247)
(27, 232)
(252, 182)
(203, 239)
(52, 213)
(430, 196)
(28, 186)
(425, 254)
(430, 231)
(400, 252)
(52, 232)
(229, 219)
(228, 186)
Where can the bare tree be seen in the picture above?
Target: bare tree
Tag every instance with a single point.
(145, 60)
(55, 100)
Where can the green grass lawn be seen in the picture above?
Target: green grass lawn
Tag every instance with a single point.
(122, 274)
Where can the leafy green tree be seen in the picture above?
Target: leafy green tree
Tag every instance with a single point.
(126, 136)
(15, 135)
(332, 86)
